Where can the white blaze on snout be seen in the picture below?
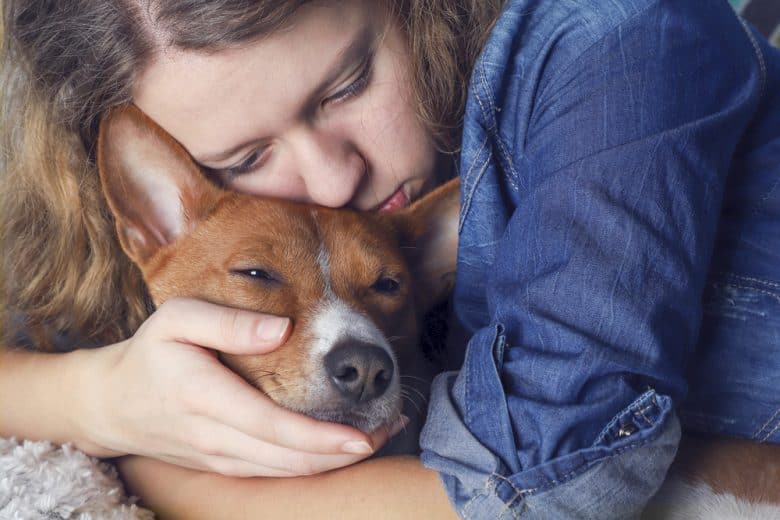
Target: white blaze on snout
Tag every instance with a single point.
(333, 323)
(336, 322)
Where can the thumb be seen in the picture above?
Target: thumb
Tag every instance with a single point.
(228, 330)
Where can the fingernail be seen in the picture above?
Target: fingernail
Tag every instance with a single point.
(399, 425)
(272, 329)
(357, 448)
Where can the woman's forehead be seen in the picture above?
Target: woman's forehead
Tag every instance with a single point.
(203, 99)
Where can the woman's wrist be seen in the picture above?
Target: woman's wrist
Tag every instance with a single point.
(42, 395)
(89, 386)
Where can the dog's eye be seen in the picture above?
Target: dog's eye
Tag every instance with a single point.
(258, 274)
(386, 285)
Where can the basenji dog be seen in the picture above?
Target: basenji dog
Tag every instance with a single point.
(355, 285)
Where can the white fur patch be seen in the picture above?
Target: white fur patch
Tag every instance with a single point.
(335, 321)
(681, 500)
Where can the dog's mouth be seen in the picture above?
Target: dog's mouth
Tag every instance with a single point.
(366, 419)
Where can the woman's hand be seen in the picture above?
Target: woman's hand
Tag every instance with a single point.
(164, 394)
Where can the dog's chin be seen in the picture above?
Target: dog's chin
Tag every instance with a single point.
(366, 421)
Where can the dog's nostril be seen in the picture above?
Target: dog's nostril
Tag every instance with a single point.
(359, 371)
(382, 381)
(346, 374)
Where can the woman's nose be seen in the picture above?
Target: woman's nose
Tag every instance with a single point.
(330, 166)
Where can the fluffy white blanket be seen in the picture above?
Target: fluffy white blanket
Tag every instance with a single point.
(41, 480)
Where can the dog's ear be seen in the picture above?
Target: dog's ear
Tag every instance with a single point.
(429, 237)
(152, 186)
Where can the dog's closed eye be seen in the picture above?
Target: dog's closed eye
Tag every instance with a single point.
(263, 276)
(386, 285)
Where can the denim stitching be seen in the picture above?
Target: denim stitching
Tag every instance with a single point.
(518, 493)
(493, 122)
(486, 114)
(486, 90)
(757, 50)
(466, 175)
(766, 437)
(587, 466)
(772, 295)
(641, 413)
(488, 488)
(470, 195)
(747, 279)
(766, 424)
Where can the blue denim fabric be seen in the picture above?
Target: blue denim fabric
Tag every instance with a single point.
(612, 152)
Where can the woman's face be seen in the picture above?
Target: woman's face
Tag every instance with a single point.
(321, 111)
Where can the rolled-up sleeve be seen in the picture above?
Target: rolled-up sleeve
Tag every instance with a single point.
(608, 149)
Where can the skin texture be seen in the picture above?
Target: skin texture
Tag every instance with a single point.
(386, 488)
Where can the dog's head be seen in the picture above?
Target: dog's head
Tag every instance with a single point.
(354, 284)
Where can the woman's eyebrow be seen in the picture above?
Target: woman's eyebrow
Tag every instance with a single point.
(354, 51)
(351, 53)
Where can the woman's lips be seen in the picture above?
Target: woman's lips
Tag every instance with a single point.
(397, 200)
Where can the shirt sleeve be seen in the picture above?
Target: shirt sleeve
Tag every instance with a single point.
(613, 177)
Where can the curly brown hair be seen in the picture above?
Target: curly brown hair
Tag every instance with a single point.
(63, 63)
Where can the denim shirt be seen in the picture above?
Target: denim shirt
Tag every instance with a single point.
(617, 157)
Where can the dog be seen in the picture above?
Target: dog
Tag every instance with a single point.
(355, 285)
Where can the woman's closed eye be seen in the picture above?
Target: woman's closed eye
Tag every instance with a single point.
(250, 163)
(356, 87)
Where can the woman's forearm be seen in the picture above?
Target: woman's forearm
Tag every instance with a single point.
(384, 488)
(45, 396)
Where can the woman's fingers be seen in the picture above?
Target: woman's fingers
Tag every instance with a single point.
(248, 456)
(266, 459)
(242, 407)
(232, 331)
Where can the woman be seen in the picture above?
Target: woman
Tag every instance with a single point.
(595, 152)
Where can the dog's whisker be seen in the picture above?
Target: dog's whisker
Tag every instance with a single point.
(415, 378)
(414, 393)
(417, 406)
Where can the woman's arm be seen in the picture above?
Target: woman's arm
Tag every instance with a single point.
(40, 396)
(389, 487)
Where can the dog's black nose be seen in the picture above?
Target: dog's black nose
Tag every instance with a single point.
(360, 371)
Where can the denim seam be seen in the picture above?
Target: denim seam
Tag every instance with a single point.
(519, 494)
(487, 115)
(766, 425)
(503, 148)
(588, 465)
(467, 198)
(747, 279)
(756, 289)
(615, 420)
(641, 413)
(756, 50)
(488, 489)
(766, 437)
